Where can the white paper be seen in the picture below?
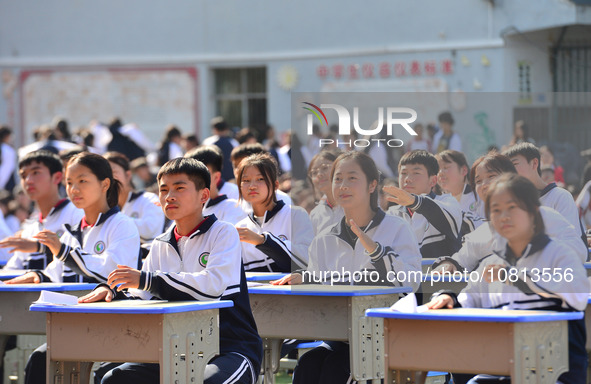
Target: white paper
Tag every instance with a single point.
(408, 304)
(48, 297)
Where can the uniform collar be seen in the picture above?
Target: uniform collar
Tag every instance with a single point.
(537, 243)
(216, 201)
(342, 231)
(134, 195)
(547, 189)
(101, 219)
(170, 235)
(269, 214)
(56, 208)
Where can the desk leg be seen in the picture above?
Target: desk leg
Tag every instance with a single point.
(271, 357)
(68, 372)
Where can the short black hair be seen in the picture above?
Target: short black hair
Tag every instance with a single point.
(42, 156)
(209, 155)
(527, 150)
(446, 117)
(195, 170)
(245, 150)
(422, 157)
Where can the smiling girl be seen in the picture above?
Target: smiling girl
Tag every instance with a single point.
(269, 242)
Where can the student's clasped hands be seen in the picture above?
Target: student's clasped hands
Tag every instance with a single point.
(121, 278)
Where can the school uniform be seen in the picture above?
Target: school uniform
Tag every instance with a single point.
(205, 265)
(324, 216)
(90, 252)
(531, 292)
(281, 196)
(64, 212)
(481, 243)
(436, 222)
(562, 201)
(339, 250)
(583, 203)
(288, 233)
(145, 210)
(470, 204)
(224, 209)
(228, 189)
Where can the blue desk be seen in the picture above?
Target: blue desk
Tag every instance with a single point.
(181, 336)
(426, 264)
(529, 346)
(264, 276)
(318, 312)
(588, 268)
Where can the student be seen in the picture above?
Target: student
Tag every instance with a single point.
(225, 209)
(513, 208)
(483, 241)
(41, 176)
(142, 207)
(435, 219)
(365, 239)
(446, 138)
(91, 249)
(198, 258)
(275, 235)
(526, 159)
(222, 138)
(241, 152)
(327, 213)
(453, 179)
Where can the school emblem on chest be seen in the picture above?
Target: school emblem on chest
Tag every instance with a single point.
(473, 206)
(99, 247)
(282, 237)
(59, 232)
(135, 215)
(203, 259)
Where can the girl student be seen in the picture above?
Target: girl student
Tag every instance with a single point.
(366, 242)
(104, 238)
(453, 179)
(275, 235)
(327, 213)
(512, 275)
(482, 241)
(142, 207)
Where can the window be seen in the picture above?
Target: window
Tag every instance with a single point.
(241, 96)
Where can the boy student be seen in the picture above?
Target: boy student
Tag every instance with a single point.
(198, 258)
(41, 175)
(238, 154)
(435, 219)
(225, 209)
(526, 159)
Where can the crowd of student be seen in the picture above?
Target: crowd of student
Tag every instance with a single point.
(219, 211)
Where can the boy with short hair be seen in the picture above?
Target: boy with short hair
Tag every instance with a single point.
(41, 174)
(198, 258)
(224, 208)
(435, 219)
(526, 159)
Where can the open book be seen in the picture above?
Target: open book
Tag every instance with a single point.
(56, 298)
(408, 304)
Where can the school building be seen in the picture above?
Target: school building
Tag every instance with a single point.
(184, 62)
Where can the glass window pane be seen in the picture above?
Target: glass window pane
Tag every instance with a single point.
(227, 81)
(231, 110)
(256, 80)
(257, 111)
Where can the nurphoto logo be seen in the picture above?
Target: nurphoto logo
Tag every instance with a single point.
(394, 116)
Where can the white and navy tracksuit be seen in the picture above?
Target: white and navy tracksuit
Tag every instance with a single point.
(145, 210)
(471, 206)
(484, 240)
(288, 233)
(533, 293)
(224, 209)
(280, 195)
(562, 201)
(63, 213)
(340, 250)
(228, 189)
(436, 221)
(325, 216)
(89, 254)
(205, 265)
(583, 203)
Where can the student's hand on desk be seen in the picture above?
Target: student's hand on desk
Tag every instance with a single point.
(50, 239)
(398, 195)
(100, 294)
(445, 267)
(365, 240)
(441, 301)
(249, 236)
(291, 279)
(19, 244)
(27, 278)
(124, 277)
